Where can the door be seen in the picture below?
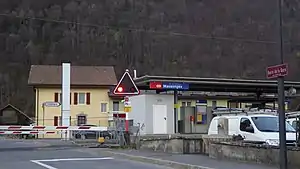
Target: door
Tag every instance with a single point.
(160, 119)
(248, 135)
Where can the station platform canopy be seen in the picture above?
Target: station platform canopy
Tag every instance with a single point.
(217, 84)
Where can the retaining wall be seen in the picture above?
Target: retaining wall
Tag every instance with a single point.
(185, 144)
(252, 153)
(219, 147)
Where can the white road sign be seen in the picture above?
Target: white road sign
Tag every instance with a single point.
(51, 104)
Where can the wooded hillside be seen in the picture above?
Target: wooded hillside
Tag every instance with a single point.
(203, 38)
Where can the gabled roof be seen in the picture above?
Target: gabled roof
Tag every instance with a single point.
(80, 75)
(18, 110)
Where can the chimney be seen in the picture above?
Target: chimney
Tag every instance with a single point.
(134, 74)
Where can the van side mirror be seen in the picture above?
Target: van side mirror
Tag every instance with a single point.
(249, 129)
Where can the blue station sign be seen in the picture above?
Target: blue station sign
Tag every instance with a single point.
(175, 86)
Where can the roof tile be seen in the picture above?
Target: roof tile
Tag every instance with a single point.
(80, 75)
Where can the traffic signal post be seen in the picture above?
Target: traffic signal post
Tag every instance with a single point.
(126, 87)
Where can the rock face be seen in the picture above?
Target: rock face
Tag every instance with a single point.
(204, 38)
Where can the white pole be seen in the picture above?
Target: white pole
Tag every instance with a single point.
(65, 106)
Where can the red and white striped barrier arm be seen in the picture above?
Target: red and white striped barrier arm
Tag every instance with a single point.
(88, 128)
(27, 132)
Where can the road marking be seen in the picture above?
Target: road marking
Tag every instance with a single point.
(160, 160)
(75, 159)
(43, 165)
(40, 162)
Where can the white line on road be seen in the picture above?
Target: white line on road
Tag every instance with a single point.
(39, 162)
(43, 165)
(161, 160)
(75, 159)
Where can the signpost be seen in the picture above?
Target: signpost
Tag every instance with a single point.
(126, 87)
(277, 71)
(51, 104)
(127, 104)
(48, 104)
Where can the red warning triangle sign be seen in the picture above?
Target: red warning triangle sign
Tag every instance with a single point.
(126, 86)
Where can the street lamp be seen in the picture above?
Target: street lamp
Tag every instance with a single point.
(281, 111)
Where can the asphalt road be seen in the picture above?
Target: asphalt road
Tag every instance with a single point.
(192, 159)
(55, 154)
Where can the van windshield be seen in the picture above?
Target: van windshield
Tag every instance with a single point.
(270, 124)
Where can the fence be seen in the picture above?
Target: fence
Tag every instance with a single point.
(74, 121)
(116, 133)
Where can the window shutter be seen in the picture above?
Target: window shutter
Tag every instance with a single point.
(60, 121)
(55, 121)
(60, 98)
(75, 98)
(70, 98)
(56, 97)
(88, 98)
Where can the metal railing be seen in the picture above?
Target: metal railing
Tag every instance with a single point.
(239, 111)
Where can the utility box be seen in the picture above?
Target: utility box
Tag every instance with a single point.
(154, 113)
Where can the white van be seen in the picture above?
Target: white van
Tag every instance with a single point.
(292, 118)
(293, 122)
(254, 127)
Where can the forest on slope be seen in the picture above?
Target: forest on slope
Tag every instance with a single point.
(202, 38)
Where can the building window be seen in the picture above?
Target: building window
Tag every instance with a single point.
(116, 106)
(103, 107)
(60, 121)
(188, 104)
(81, 98)
(58, 97)
(55, 120)
(233, 105)
(214, 104)
(81, 120)
(111, 123)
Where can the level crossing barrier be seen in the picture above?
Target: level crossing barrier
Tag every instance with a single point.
(51, 128)
(26, 132)
(23, 130)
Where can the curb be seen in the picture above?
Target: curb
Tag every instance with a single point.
(167, 163)
(95, 145)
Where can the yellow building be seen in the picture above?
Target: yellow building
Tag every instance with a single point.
(89, 97)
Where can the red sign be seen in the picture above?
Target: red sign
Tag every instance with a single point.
(277, 71)
(156, 85)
